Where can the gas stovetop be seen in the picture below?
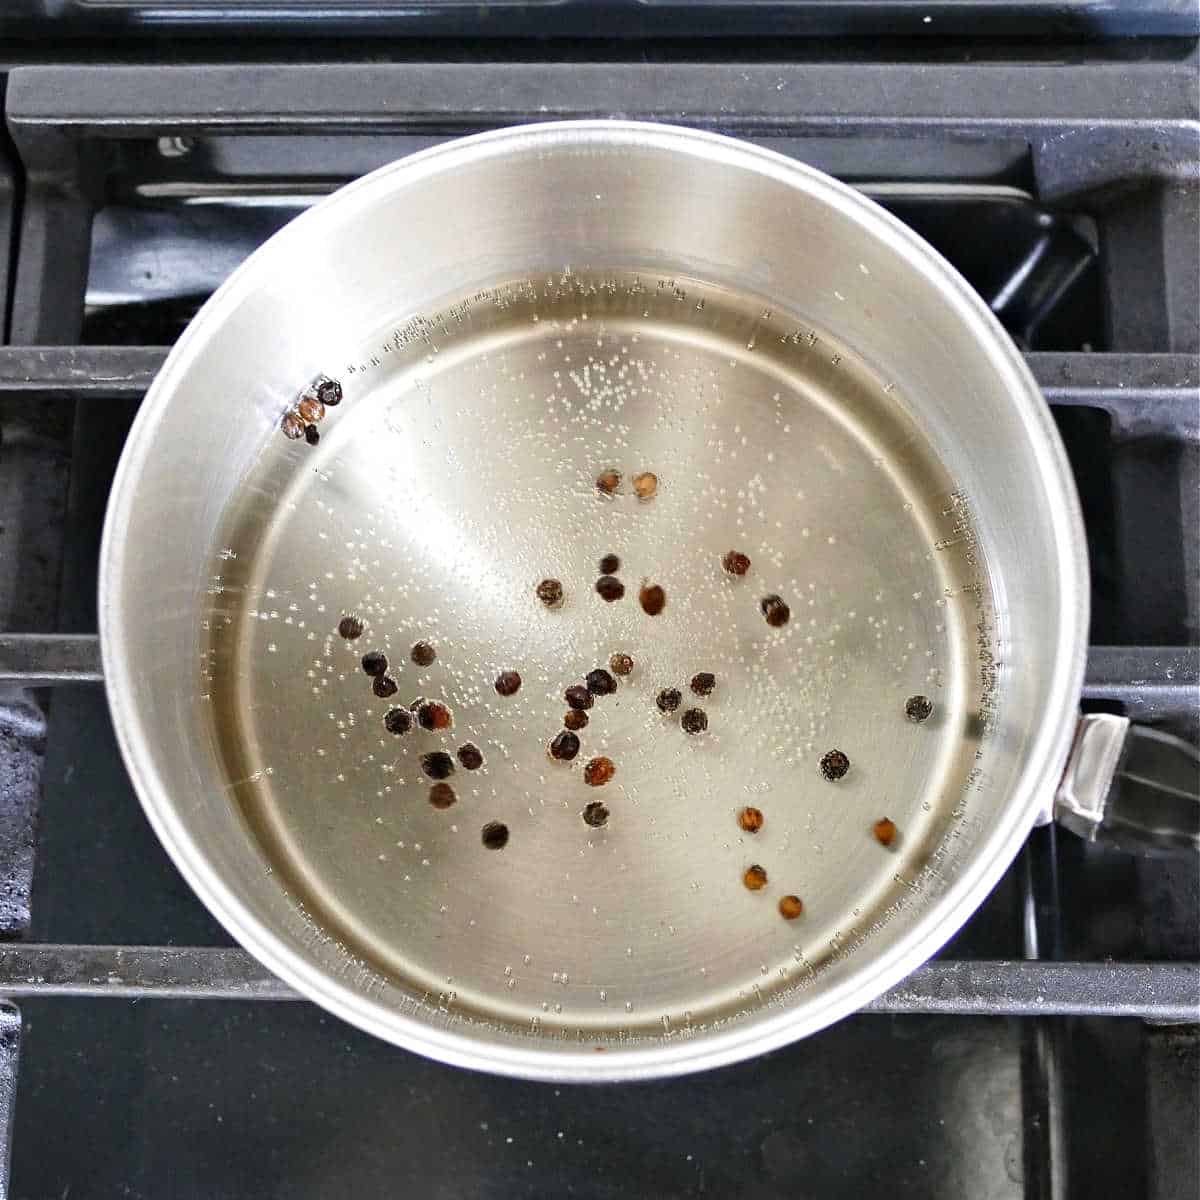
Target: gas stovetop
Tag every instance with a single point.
(1050, 1051)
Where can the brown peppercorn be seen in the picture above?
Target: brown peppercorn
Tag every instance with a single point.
(423, 654)
(653, 599)
(575, 718)
(736, 563)
(508, 683)
(398, 721)
(441, 795)
(609, 588)
(470, 756)
(776, 612)
(563, 746)
(703, 683)
(384, 686)
(750, 819)
(494, 835)
(621, 664)
(755, 878)
(834, 764)
(577, 696)
(918, 708)
(375, 662)
(329, 392)
(695, 720)
(434, 716)
(790, 907)
(608, 481)
(437, 764)
(292, 426)
(312, 435)
(550, 592)
(600, 682)
(350, 628)
(885, 831)
(646, 485)
(610, 564)
(311, 409)
(599, 771)
(596, 814)
(668, 700)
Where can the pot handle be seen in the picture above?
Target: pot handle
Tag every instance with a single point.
(1130, 786)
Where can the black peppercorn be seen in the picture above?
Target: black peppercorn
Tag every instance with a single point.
(437, 764)
(834, 765)
(703, 683)
(610, 588)
(600, 682)
(312, 435)
(470, 756)
(329, 392)
(550, 592)
(610, 564)
(563, 746)
(494, 835)
(375, 662)
(735, 563)
(695, 720)
(350, 628)
(918, 708)
(423, 654)
(596, 814)
(575, 718)
(668, 700)
(776, 612)
(577, 696)
(383, 686)
(397, 720)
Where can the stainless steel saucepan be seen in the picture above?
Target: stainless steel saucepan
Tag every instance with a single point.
(486, 369)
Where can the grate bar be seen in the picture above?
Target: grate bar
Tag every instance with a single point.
(1160, 992)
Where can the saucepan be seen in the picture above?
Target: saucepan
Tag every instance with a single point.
(598, 600)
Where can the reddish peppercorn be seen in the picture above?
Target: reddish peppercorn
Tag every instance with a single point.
(668, 700)
(884, 831)
(703, 683)
(470, 756)
(441, 795)
(312, 435)
(776, 612)
(398, 721)
(596, 814)
(609, 588)
(695, 720)
(292, 426)
(494, 835)
(750, 819)
(735, 563)
(575, 718)
(437, 764)
(918, 708)
(550, 592)
(384, 686)
(311, 409)
(599, 771)
(834, 764)
(375, 662)
(563, 746)
(434, 716)
(621, 664)
(508, 683)
(653, 599)
(423, 654)
(755, 878)
(790, 907)
(577, 696)
(350, 628)
(608, 481)
(329, 392)
(600, 682)
(610, 564)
